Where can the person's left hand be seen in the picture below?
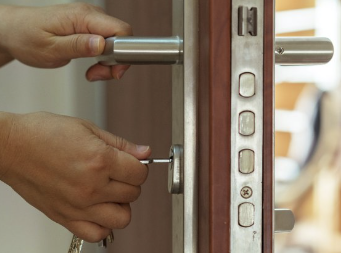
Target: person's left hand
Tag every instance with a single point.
(50, 37)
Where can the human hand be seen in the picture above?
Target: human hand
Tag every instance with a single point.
(49, 37)
(77, 174)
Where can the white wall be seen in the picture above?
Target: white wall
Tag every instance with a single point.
(23, 89)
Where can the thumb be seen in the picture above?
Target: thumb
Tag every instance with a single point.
(79, 45)
(138, 151)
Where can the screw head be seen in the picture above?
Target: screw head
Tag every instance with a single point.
(246, 192)
(279, 50)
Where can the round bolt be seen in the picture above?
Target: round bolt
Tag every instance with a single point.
(246, 192)
(279, 50)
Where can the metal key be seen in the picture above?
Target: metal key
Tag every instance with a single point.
(157, 160)
(110, 239)
(76, 245)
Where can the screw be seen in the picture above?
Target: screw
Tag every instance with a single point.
(246, 192)
(279, 50)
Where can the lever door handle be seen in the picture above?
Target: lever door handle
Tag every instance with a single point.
(142, 50)
(303, 50)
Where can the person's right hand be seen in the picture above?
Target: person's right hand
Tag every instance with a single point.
(77, 174)
(51, 36)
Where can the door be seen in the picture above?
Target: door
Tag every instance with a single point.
(227, 204)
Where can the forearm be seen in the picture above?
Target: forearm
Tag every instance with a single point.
(6, 120)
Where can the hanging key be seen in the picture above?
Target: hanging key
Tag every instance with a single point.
(76, 245)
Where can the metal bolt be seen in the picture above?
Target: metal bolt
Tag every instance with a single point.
(279, 50)
(246, 192)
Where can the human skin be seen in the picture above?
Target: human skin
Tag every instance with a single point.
(50, 37)
(77, 174)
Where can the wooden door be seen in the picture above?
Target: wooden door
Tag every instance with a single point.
(139, 109)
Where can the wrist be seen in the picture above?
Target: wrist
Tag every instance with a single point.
(6, 124)
(6, 14)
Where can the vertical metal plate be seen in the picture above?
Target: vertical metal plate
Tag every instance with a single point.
(184, 114)
(246, 57)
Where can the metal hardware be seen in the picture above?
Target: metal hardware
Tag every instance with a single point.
(142, 50)
(246, 127)
(104, 243)
(303, 50)
(157, 160)
(184, 126)
(284, 220)
(246, 192)
(246, 214)
(246, 123)
(246, 161)
(76, 245)
(175, 176)
(247, 21)
(247, 85)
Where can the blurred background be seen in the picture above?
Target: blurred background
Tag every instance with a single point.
(63, 91)
(307, 139)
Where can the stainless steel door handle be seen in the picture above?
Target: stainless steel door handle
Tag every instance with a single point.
(142, 50)
(303, 50)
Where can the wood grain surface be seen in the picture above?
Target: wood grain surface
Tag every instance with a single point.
(220, 124)
(139, 109)
(268, 163)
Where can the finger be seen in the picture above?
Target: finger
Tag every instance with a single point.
(138, 151)
(119, 192)
(126, 168)
(79, 45)
(88, 231)
(100, 72)
(107, 26)
(109, 215)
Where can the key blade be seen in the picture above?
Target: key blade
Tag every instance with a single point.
(156, 160)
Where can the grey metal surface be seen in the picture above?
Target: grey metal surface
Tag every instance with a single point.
(246, 215)
(175, 170)
(142, 50)
(247, 85)
(185, 213)
(284, 220)
(246, 123)
(157, 160)
(246, 57)
(178, 127)
(303, 50)
(247, 21)
(246, 161)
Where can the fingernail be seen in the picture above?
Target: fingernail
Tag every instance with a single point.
(94, 45)
(119, 74)
(142, 149)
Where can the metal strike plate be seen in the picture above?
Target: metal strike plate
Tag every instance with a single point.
(284, 221)
(142, 50)
(246, 147)
(303, 50)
